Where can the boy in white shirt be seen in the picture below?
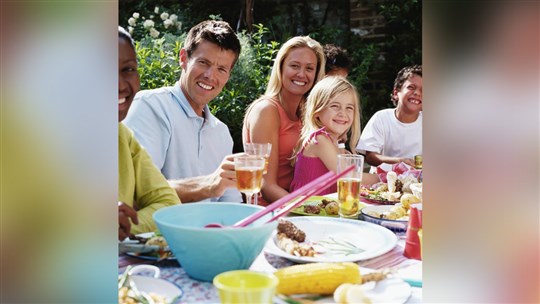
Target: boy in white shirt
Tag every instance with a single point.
(395, 135)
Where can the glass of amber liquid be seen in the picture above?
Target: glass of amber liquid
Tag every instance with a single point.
(349, 185)
(249, 172)
(259, 149)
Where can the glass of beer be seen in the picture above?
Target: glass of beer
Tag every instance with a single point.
(249, 172)
(349, 185)
(259, 149)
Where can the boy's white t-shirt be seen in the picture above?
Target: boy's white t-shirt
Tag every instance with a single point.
(386, 135)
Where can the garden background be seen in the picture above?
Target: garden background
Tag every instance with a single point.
(381, 36)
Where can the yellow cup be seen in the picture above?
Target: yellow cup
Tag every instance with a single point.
(420, 237)
(246, 286)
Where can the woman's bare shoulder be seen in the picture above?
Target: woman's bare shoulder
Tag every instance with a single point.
(265, 103)
(264, 108)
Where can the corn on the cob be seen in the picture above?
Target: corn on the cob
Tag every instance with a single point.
(319, 278)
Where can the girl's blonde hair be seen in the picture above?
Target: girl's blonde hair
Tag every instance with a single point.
(318, 100)
(275, 82)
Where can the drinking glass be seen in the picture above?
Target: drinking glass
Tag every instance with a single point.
(349, 185)
(246, 286)
(259, 149)
(249, 172)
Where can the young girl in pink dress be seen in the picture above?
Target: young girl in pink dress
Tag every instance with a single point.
(331, 116)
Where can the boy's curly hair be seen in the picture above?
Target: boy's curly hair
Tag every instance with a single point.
(402, 76)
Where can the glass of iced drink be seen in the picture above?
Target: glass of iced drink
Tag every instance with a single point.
(249, 172)
(259, 149)
(349, 185)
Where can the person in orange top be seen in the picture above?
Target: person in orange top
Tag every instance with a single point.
(275, 117)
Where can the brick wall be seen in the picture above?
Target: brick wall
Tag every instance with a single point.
(369, 26)
(365, 21)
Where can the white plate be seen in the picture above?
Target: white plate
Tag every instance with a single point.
(412, 274)
(151, 284)
(333, 196)
(362, 240)
(135, 249)
(391, 290)
(157, 286)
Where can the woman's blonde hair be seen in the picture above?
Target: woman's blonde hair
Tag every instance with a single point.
(319, 98)
(275, 82)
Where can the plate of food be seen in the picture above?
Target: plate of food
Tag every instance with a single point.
(326, 239)
(377, 201)
(146, 289)
(389, 192)
(302, 284)
(395, 218)
(378, 286)
(318, 205)
(148, 246)
(389, 290)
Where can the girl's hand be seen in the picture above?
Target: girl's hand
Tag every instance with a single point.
(344, 151)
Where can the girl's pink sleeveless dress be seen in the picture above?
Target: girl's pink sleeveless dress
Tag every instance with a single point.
(310, 168)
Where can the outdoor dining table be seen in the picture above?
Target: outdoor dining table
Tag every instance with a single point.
(204, 292)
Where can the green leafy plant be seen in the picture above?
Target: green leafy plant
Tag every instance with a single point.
(158, 60)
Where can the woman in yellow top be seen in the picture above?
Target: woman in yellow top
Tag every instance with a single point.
(142, 189)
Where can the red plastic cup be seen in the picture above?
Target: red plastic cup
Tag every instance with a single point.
(412, 243)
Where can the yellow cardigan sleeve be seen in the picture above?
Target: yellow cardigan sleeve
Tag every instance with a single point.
(141, 184)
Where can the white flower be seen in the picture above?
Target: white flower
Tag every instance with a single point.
(167, 23)
(136, 15)
(132, 21)
(130, 29)
(154, 33)
(151, 17)
(179, 26)
(164, 16)
(156, 10)
(148, 23)
(173, 17)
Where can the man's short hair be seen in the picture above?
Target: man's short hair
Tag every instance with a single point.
(214, 31)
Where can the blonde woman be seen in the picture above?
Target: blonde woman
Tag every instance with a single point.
(331, 116)
(275, 117)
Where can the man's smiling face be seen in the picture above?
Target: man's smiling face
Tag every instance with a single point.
(205, 73)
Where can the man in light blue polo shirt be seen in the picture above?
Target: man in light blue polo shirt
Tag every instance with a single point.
(187, 143)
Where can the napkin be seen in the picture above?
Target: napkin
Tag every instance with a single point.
(402, 170)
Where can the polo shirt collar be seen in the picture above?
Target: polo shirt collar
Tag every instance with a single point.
(184, 103)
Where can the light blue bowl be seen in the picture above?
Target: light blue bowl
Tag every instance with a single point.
(206, 252)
